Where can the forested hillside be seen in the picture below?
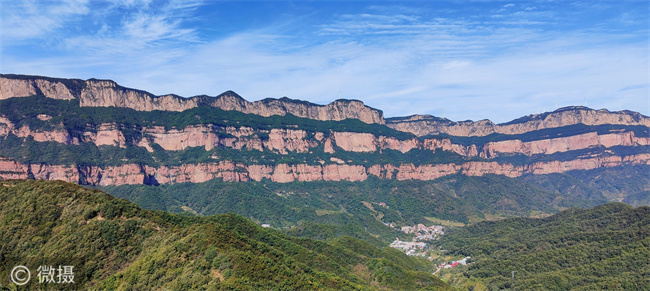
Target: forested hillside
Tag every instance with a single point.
(603, 248)
(353, 208)
(113, 244)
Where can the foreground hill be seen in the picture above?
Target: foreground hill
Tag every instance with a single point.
(602, 248)
(114, 244)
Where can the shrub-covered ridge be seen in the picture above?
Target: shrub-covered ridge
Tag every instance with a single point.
(115, 245)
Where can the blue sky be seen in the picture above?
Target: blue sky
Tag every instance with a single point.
(495, 60)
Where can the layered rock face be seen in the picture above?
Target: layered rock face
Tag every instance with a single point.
(422, 125)
(133, 174)
(285, 141)
(106, 93)
(292, 141)
(567, 139)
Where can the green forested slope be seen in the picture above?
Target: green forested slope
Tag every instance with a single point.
(325, 209)
(114, 244)
(605, 247)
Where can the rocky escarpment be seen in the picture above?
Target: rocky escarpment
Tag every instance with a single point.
(285, 141)
(106, 93)
(130, 174)
(328, 150)
(84, 142)
(422, 125)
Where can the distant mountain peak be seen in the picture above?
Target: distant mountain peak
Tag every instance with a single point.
(423, 125)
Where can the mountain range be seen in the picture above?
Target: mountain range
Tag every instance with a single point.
(147, 148)
(299, 147)
(334, 183)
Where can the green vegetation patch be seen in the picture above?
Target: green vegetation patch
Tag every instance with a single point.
(605, 247)
(114, 244)
(326, 210)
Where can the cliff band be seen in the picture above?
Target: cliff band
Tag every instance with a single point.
(86, 132)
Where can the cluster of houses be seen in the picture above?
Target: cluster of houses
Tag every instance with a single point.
(417, 247)
(455, 263)
(410, 248)
(424, 233)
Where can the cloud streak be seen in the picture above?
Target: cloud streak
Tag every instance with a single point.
(22, 20)
(469, 65)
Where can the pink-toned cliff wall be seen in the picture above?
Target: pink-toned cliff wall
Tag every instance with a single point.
(422, 125)
(130, 174)
(107, 93)
(563, 144)
(284, 141)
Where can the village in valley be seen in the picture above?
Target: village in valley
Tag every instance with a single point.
(422, 234)
(420, 244)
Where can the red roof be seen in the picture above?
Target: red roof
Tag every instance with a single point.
(454, 264)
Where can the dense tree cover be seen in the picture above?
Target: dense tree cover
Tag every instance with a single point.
(598, 185)
(605, 247)
(114, 244)
(638, 198)
(326, 210)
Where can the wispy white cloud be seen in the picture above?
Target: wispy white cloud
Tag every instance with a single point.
(21, 20)
(144, 27)
(531, 79)
(398, 59)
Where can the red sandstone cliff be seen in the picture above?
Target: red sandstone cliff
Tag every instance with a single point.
(105, 93)
(332, 163)
(129, 174)
(422, 125)
(283, 141)
(94, 92)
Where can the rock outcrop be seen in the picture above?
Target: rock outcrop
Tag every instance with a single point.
(285, 141)
(239, 152)
(107, 93)
(422, 125)
(132, 174)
